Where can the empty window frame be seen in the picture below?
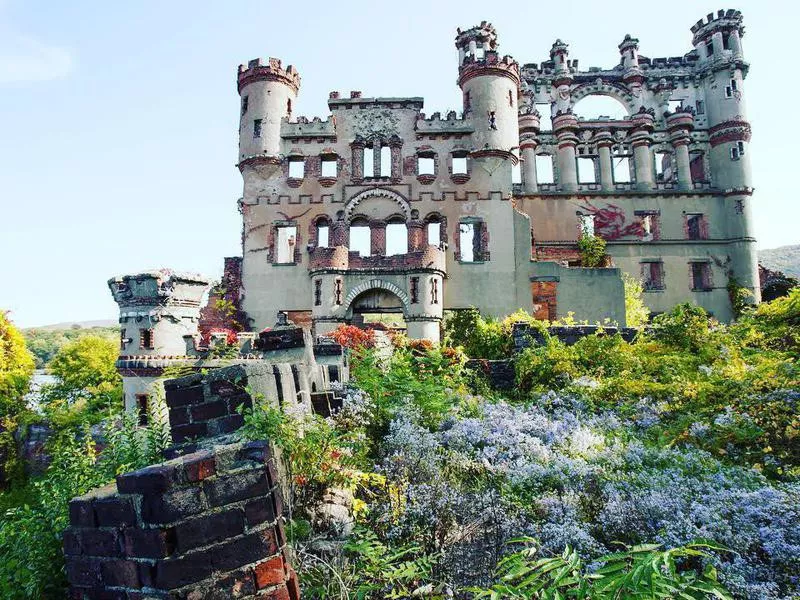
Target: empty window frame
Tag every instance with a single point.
(697, 167)
(545, 117)
(285, 241)
(360, 237)
(318, 292)
(245, 103)
(460, 163)
(674, 105)
(434, 233)
(396, 238)
(386, 161)
(701, 276)
(142, 410)
(650, 226)
(586, 224)
(146, 339)
(469, 241)
(700, 107)
(323, 234)
(737, 150)
(731, 88)
(544, 169)
(434, 290)
(297, 168)
(123, 341)
(695, 227)
(586, 170)
(480, 53)
(369, 162)
(516, 173)
(622, 169)
(426, 164)
(664, 169)
(415, 290)
(257, 128)
(652, 276)
(328, 166)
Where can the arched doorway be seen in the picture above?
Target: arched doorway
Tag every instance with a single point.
(378, 308)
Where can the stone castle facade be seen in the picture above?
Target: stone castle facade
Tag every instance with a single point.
(379, 207)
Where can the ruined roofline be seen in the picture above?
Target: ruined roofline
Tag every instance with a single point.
(355, 99)
(161, 274)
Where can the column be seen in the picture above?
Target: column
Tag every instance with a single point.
(643, 164)
(416, 235)
(604, 142)
(377, 233)
(340, 234)
(735, 42)
(529, 185)
(564, 126)
(679, 124)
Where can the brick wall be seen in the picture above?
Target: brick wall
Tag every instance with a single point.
(204, 525)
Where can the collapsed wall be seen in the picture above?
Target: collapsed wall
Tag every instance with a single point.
(208, 522)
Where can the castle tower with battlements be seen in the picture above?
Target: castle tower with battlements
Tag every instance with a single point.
(380, 209)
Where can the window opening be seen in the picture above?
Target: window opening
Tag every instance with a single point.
(257, 128)
(434, 290)
(425, 165)
(141, 408)
(146, 339)
(586, 170)
(663, 166)
(414, 290)
(386, 162)
(434, 233)
(328, 167)
(652, 276)
(694, 227)
(700, 276)
(337, 292)
(245, 103)
(544, 168)
(459, 165)
(586, 224)
(396, 239)
(317, 292)
(622, 169)
(470, 241)
(360, 238)
(285, 243)
(297, 168)
(369, 162)
(323, 235)
(516, 173)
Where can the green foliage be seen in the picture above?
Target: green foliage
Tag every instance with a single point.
(480, 337)
(45, 343)
(592, 249)
(430, 380)
(636, 313)
(16, 369)
(31, 556)
(370, 569)
(740, 297)
(686, 327)
(88, 385)
(644, 571)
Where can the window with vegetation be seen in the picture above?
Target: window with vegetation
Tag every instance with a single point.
(652, 275)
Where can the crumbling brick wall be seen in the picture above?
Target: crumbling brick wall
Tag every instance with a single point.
(205, 524)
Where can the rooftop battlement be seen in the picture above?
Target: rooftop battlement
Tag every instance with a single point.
(491, 64)
(335, 102)
(158, 287)
(724, 20)
(484, 34)
(271, 71)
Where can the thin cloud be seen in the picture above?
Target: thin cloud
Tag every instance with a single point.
(25, 59)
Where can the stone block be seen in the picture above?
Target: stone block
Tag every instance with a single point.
(227, 424)
(150, 480)
(121, 573)
(81, 512)
(178, 416)
(235, 487)
(173, 573)
(199, 466)
(270, 572)
(225, 388)
(82, 571)
(257, 451)
(191, 431)
(100, 542)
(71, 543)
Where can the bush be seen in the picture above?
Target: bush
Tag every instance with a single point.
(593, 250)
(352, 337)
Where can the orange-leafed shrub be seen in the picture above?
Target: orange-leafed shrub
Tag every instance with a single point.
(353, 337)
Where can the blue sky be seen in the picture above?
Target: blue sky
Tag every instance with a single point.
(118, 120)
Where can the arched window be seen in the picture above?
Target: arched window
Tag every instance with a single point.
(396, 237)
(322, 231)
(360, 236)
(599, 106)
(433, 230)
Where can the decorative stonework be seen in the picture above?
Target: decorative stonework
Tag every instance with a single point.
(374, 122)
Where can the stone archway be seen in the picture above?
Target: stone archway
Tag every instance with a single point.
(394, 204)
(372, 285)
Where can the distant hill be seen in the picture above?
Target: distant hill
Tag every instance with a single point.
(77, 325)
(785, 259)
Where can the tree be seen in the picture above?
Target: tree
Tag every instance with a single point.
(16, 368)
(88, 382)
(636, 313)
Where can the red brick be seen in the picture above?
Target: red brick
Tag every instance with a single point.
(293, 585)
(150, 480)
(244, 550)
(185, 396)
(83, 571)
(191, 431)
(148, 543)
(199, 465)
(280, 593)
(121, 573)
(114, 511)
(208, 528)
(208, 410)
(259, 511)
(241, 486)
(174, 573)
(172, 506)
(270, 572)
(100, 542)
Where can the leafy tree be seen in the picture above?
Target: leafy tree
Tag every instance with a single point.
(593, 250)
(636, 313)
(16, 367)
(88, 383)
(45, 343)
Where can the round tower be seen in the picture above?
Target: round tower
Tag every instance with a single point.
(268, 93)
(721, 65)
(159, 312)
(490, 86)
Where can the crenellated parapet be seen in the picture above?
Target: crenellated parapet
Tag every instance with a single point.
(302, 127)
(492, 64)
(450, 124)
(256, 70)
(723, 22)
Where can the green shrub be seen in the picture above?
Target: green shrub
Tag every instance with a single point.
(593, 250)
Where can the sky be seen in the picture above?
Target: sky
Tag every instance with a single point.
(118, 120)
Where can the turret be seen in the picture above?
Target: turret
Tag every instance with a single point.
(490, 86)
(717, 40)
(159, 313)
(268, 93)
